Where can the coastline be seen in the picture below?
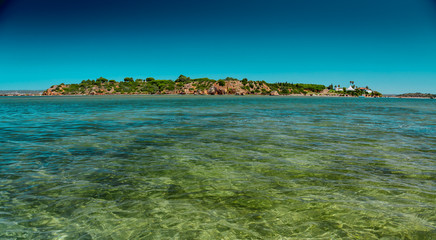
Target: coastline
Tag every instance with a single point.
(141, 94)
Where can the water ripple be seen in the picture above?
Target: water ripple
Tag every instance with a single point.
(208, 167)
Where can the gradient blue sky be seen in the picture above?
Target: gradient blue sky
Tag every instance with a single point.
(389, 45)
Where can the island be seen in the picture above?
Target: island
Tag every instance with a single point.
(204, 86)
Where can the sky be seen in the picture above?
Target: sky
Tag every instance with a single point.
(388, 45)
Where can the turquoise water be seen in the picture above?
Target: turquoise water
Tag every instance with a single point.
(217, 167)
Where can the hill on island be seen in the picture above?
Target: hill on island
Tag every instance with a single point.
(200, 86)
(417, 95)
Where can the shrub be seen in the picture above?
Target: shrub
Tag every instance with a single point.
(284, 91)
(244, 81)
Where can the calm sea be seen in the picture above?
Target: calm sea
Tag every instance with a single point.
(217, 167)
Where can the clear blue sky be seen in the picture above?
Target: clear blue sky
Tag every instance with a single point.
(389, 45)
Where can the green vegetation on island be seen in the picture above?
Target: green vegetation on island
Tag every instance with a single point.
(200, 86)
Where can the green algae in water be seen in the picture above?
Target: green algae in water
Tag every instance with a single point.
(169, 167)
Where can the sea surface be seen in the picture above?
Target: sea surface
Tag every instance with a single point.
(217, 167)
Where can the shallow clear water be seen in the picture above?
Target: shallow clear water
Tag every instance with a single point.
(217, 167)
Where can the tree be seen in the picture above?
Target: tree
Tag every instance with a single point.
(102, 79)
(149, 79)
(151, 88)
(183, 79)
(244, 81)
(221, 82)
(128, 79)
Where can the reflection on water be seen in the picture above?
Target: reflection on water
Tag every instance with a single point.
(209, 167)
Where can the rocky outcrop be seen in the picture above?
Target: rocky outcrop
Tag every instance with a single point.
(212, 90)
(221, 91)
(53, 91)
